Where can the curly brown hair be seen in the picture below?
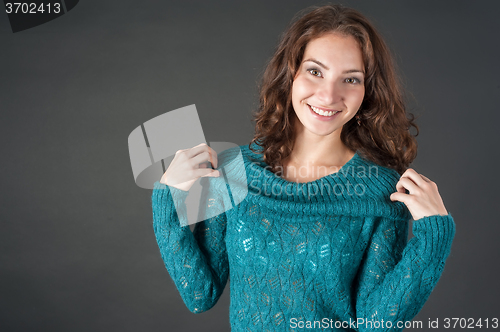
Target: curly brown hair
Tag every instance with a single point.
(384, 135)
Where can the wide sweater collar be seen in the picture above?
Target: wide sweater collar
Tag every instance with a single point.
(359, 188)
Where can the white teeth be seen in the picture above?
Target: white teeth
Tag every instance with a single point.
(321, 112)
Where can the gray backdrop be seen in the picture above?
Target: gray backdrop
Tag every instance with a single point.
(78, 252)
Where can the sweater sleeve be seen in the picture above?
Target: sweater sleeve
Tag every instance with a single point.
(397, 275)
(196, 261)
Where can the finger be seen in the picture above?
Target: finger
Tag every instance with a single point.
(406, 183)
(213, 157)
(425, 178)
(203, 147)
(203, 157)
(214, 174)
(196, 150)
(206, 172)
(414, 176)
(400, 188)
(395, 196)
(400, 197)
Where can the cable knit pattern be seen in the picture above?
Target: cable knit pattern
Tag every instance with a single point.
(332, 250)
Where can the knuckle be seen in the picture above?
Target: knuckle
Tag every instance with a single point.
(429, 185)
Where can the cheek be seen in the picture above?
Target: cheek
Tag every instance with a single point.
(300, 88)
(356, 97)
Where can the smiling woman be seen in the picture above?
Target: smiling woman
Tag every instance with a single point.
(381, 128)
(324, 248)
(326, 95)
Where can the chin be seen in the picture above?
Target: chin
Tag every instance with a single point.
(322, 132)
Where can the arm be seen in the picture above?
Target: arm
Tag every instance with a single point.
(396, 276)
(196, 261)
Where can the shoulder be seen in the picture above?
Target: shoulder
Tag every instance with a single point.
(231, 155)
(379, 181)
(380, 172)
(231, 163)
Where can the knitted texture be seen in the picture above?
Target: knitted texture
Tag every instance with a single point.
(326, 252)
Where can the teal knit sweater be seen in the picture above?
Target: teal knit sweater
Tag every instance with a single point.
(327, 255)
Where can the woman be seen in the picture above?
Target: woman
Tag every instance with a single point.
(320, 241)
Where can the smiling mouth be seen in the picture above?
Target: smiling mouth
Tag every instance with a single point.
(322, 112)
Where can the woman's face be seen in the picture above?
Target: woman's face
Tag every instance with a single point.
(330, 79)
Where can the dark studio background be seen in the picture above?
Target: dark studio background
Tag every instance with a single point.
(78, 252)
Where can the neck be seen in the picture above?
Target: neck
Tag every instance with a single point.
(311, 149)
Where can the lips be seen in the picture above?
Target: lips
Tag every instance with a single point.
(323, 111)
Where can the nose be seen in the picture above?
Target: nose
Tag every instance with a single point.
(329, 93)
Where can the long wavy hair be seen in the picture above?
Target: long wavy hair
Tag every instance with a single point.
(384, 134)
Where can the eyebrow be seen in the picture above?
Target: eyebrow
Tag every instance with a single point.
(319, 63)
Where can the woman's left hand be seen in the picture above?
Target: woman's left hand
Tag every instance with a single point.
(423, 200)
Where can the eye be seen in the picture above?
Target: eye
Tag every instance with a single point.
(352, 80)
(315, 72)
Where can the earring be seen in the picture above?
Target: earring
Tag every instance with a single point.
(358, 119)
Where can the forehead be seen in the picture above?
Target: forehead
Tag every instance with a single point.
(335, 49)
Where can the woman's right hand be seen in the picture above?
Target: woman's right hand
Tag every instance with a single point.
(189, 165)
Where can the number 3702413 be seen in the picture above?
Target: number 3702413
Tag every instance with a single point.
(32, 8)
(470, 323)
